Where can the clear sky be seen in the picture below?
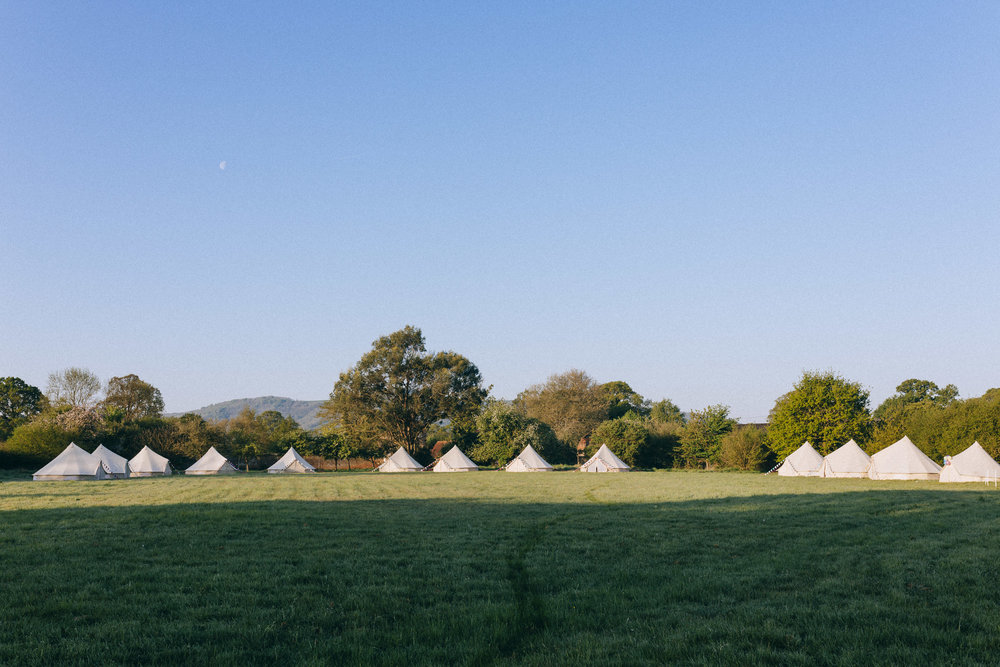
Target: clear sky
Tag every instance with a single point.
(702, 199)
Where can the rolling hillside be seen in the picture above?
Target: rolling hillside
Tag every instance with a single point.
(304, 412)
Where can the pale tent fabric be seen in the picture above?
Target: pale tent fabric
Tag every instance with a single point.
(401, 461)
(212, 463)
(528, 461)
(117, 465)
(74, 463)
(455, 461)
(972, 465)
(803, 462)
(148, 463)
(604, 461)
(848, 460)
(291, 462)
(903, 460)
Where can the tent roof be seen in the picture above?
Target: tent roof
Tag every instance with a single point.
(113, 463)
(73, 461)
(456, 460)
(803, 460)
(402, 460)
(975, 462)
(212, 460)
(149, 461)
(532, 459)
(290, 457)
(605, 454)
(903, 457)
(849, 457)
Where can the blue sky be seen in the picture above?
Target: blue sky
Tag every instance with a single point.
(701, 198)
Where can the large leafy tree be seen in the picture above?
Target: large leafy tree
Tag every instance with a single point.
(131, 398)
(19, 402)
(571, 403)
(823, 408)
(73, 387)
(398, 390)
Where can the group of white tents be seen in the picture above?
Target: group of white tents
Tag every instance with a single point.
(74, 463)
(604, 460)
(527, 461)
(900, 460)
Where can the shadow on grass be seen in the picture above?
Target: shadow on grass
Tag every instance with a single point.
(841, 578)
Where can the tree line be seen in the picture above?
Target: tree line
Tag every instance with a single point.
(399, 394)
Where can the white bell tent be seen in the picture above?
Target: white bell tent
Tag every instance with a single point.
(455, 461)
(903, 460)
(972, 465)
(848, 460)
(148, 463)
(291, 462)
(604, 461)
(212, 463)
(116, 465)
(401, 461)
(73, 464)
(528, 461)
(803, 462)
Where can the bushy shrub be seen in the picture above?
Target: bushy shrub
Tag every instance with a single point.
(503, 432)
(36, 443)
(702, 437)
(639, 441)
(626, 436)
(744, 448)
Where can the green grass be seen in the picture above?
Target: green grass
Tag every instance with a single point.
(491, 567)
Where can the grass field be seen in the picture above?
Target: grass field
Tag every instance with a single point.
(491, 567)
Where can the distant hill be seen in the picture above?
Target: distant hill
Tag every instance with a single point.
(304, 412)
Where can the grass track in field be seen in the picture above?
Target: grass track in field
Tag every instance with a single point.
(485, 568)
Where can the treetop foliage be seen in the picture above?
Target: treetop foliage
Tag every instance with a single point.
(622, 399)
(74, 387)
(823, 408)
(131, 398)
(19, 402)
(571, 403)
(396, 391)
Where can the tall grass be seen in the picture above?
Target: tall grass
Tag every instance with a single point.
(481, 568)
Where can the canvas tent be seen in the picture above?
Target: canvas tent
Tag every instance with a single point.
(972, 465)
(848, 460)
(803, 462)
(902, 460)
(455, 461)
(148, 463)
(73, 464)
(604, 461)
(291, 462)
(401, 461)
(212, 463)
(528, 461)
(116, 465)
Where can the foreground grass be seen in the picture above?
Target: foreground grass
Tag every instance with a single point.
(485, 568)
